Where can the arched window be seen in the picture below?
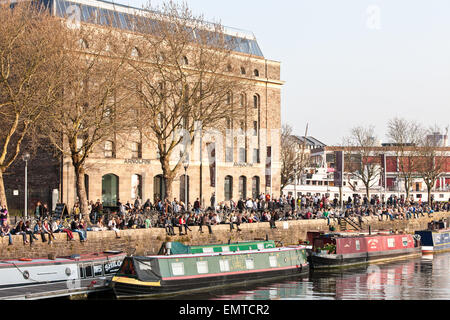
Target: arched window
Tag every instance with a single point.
(229, 68)
(110, 190)
(184, 182)
(109, 149)
(229, 98)
(243, 187)
(136, 186)
(243, 70)
(242, 100)
(255, 187)
(83, 44)
(256, 72)
(159, 190)
(184, 61)
(135, 52)
(228, 188)
(256, 101)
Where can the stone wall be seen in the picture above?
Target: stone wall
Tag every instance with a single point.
(144, 242)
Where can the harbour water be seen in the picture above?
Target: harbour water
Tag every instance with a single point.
(425, 278)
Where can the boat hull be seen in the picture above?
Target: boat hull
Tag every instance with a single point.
(126, 289)
(331, 261)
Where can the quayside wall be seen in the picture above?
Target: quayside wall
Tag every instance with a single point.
(148, 241)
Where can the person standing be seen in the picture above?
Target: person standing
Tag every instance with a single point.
(3, 214)
(38, 210)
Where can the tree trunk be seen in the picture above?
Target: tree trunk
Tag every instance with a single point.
(2, 191)
(168, 176)
(81, 191)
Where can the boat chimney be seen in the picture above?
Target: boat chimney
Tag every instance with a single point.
(370, 230)
(168, 248)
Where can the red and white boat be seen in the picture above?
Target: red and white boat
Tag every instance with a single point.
(338, 250)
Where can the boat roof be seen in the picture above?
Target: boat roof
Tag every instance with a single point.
(82, 258)
(198, 255)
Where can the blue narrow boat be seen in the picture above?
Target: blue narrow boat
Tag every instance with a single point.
(436, 238)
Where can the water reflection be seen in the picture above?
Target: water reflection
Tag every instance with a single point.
(426, 278)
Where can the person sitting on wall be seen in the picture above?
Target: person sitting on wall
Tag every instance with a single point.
(20, 230)
(76, 227)
(30, 231)
(6, 232)
(38, 230)
(46, 228)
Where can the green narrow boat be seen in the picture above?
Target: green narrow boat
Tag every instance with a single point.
(180, 269)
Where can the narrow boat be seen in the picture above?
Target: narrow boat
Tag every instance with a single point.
(172, 273)
(340, 250)
(436, 238)
(32, 279)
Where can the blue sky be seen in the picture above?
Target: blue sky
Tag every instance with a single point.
(349, 62)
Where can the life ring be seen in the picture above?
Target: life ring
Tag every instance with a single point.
(25, 259)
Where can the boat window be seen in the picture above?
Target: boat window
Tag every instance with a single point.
(358, 245)
(88, 271)
(391, 243)
(225, 249)
(178, 269)
(260, 246)
(98, 270)
(224, 265)
(208, 250)
(126, 268)
(405, 241)
(273, 261)
(202, 267)
(81, 272)
(250, 264)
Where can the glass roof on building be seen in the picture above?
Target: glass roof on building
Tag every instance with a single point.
(121, 16)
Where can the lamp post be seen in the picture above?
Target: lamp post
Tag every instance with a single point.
(295, 188)
(186, 166)
(26, 158)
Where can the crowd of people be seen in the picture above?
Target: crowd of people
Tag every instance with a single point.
(175, 215)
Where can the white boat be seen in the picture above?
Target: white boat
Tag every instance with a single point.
(32, 279)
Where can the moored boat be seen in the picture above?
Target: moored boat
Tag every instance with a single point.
(436, 238)
(32, 279)
(180, 273)
(340, 250)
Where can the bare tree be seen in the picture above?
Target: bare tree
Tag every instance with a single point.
(432, 159)
(30, 44)
(362, 157)
(184, 80)
(92, 109)
(406, 136)
(293, 156)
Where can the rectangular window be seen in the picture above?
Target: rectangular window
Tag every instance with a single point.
(225, 249)
(256, 156)
(202, 267)
(273, 261)
(255, 128)
(242, 155)
(224, 265)
(136, 152)
(405, 241)
(391, 243)
(109, 149)
(358, 245)
(98, 270)
(250, 264)
(208, 250)
(178, 269)
(229, 154)
(260, 246)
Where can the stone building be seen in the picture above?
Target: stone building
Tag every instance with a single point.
(247, 165)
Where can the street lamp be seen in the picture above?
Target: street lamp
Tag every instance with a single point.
(295, 188)
(186, 166)
(26, 158)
